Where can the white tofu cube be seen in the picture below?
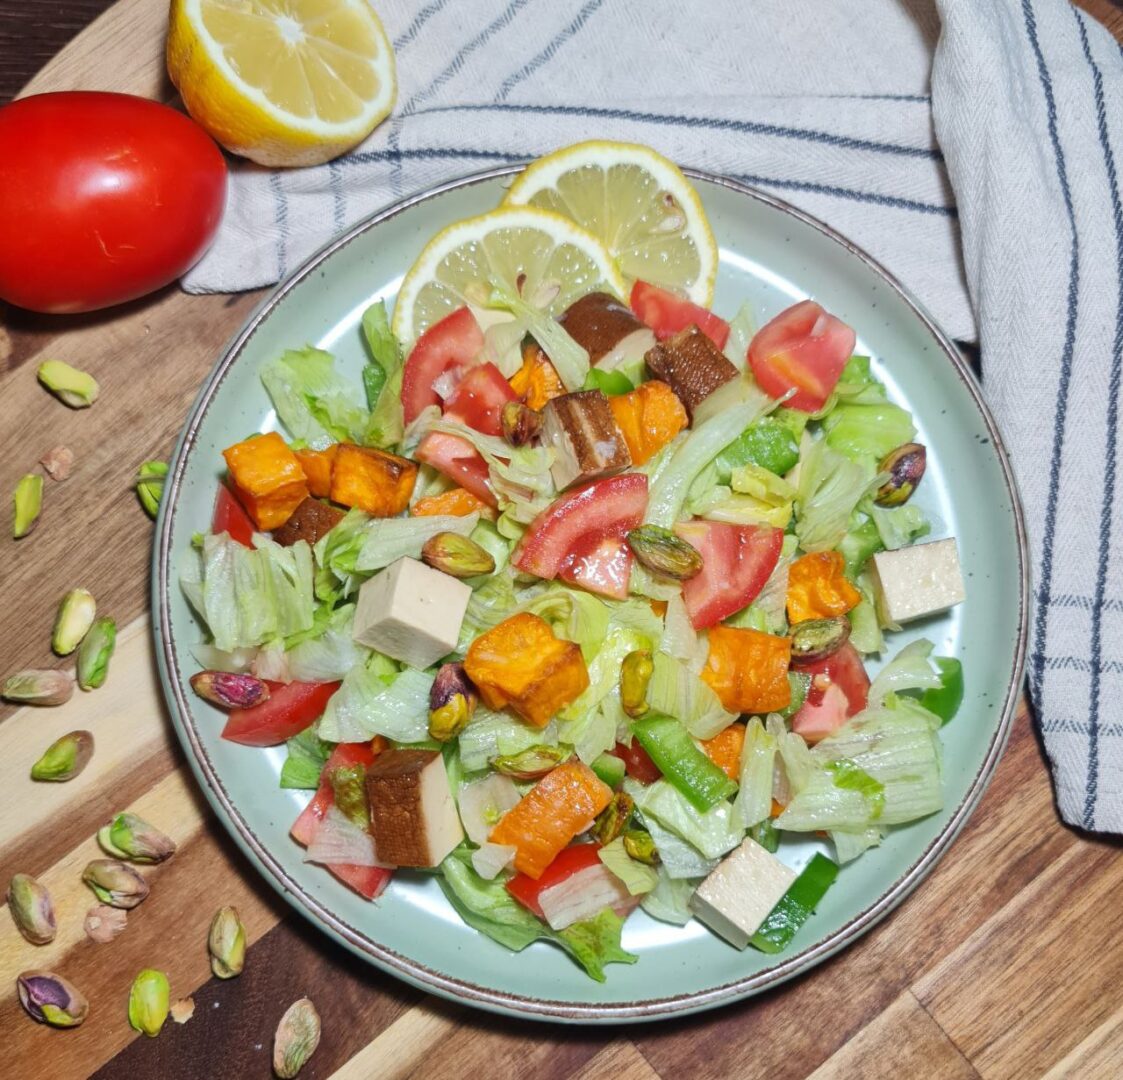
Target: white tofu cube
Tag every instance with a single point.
(737, 897)
(916, 581)
(411, 612)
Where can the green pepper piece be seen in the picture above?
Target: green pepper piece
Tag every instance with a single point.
(944, 700)
(766, 834)
(767, 443)
(611, 383)
(801, 899)
(690, 771)
(858, 545)
(800, 683)
(374, 379)
(609, 769)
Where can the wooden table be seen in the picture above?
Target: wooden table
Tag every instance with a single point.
(1007, 961)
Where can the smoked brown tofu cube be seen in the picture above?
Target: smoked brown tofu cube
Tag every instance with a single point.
(691, 365)
(583, 432)
(413, 817)
(606, 329)
(310, 520)
(372, 480)
(267, 478)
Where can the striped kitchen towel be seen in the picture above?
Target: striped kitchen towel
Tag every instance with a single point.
(970, 145)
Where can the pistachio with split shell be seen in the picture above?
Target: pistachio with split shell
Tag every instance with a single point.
(65, 758)
(452, 701)
(456, 555)
(662, 552)
(150, 485)
(532, 763)
(71, 386)
(226, 943)
(75, 616)
(614, 818)
(38, 687)
(640, 846)
(94, 653)
(298, 1035)
(816, 639)
(115, 883)
(230, 690)
(58, 462)
(521, 424)
(26, 504)
(51, 999)
(636, 670)
(128, 836)
(905, 467)
(31, 908)
(149, 1000)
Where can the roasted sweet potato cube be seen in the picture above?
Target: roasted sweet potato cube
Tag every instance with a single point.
(649, 417)
(537, 381)
(691, 365)
(456, 502)
(372, 480)
(317, 469)
(520, 664)
(748, 670)
(267, 478)
(310, 520)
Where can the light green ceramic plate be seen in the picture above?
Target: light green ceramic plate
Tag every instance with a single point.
(771, 255)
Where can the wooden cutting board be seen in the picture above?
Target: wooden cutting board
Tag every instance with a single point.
(1005, 963)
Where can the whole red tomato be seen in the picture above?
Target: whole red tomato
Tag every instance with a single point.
(103, 198)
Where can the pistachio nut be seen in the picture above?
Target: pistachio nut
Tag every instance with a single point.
(452, 701)
(65, 758)
(149, 1000)
(816, 639)
(51, 999)
(532, 763)
(130, 837)
(662, 552)
(103, 923)
(58, 462)
(227, 943)
(905, 467)
(639, 845)
(150, 485)
(614, 818)
(636, 670)
(521, 424)
(94, 653)
(457, 555)
(26, 504)
(298, 1035)
(115, 883)
(230, 690)
(31, 908)
(38, 687)
(71, 386)
(75, 616)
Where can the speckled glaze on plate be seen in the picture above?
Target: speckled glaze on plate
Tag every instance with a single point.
(771, 255)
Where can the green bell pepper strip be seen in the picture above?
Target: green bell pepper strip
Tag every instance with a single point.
(801, 899)
(766, 834)
(682, 764)
(609, 769)
(944, 700)
(800, 683)
(767, 443)
(611, 383)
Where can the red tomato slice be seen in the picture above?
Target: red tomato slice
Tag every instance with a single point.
(804, 347)
(310, 817)
(368, 881)
(290, 709)
(230, 517)
(451, 344)
(479, 398)
(822, 713)
(569, 861)
(637, 762)
(457, 459)
(601, 565)
(667, 313)
(844, 669)
(577, 523)
(737, 561)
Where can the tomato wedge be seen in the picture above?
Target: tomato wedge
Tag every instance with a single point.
(290, 709)
(305, 826)
(457, 459)
(737, 561)
(843, 669)
(569, 861)
(637, 762)
(479, 398)
(805, 348)
(667, 313)
(822, 713)
(451, 344)
(582, 533)
(231, 518)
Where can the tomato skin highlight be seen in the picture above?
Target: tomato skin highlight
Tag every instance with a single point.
(231, 518)
(667, 313)
(449, 345)
(805, 348)
(103, 198)
(478, 399)
(637, 762)
(290, 709)
(569, 861)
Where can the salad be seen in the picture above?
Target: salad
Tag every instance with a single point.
(570, 603)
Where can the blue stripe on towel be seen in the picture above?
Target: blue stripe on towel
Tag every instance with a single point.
(551, 50)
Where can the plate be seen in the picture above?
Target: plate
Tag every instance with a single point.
(771, 255)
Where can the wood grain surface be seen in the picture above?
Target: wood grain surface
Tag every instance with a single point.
(1005, 963)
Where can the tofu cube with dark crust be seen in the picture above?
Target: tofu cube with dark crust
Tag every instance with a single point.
(605, 327)
(310, 520)
(413, 817)
(583, 432)
(692, 365)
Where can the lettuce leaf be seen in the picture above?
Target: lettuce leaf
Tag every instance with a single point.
(758, 756)
(677, 691)
(868, 432)
(372, 702)
(315, 403)
(570, 360)
(712, 832)
(385, 540)
(307, 754)
(898, 526)
(490, 734)
(596, 942)
(741, 330)
(669, 901)
(337, 552)
(332, 654)
(910, 669)
(637, 877)
(830, 487)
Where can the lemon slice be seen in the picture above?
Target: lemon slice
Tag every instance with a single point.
(282, 82)
(543, 257)
(637, 202)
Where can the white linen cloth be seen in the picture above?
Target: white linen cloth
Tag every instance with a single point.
(905, 124)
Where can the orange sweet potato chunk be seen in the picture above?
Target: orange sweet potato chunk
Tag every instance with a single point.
(267, 478)
(456, 501)
(537, 381)
(521, 665)
(317, 469)
(649, 417)
(818, 589)
(725, 749)
(372, 480)
(748, 670)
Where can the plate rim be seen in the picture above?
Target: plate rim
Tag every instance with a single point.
(401, 966)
